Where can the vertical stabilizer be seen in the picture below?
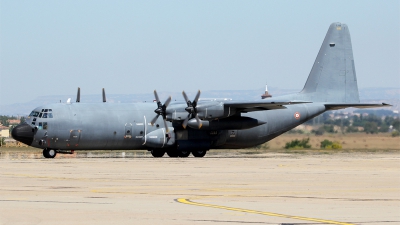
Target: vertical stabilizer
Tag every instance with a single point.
(333, 76)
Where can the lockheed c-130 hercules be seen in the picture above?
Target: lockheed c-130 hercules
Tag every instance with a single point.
(196, 126)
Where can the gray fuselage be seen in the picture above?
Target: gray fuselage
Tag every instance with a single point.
(88, 126)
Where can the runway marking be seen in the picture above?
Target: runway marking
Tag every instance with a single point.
(189, 202)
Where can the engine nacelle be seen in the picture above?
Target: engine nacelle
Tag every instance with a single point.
(211, 110)
(231, 123)
(206, 110)
(159, 138)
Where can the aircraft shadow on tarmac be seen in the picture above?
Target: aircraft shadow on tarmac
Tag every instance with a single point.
(19, 155)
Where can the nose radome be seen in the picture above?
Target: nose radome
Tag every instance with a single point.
(23, 133)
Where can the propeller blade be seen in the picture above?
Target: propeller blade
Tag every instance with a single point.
(167, 101)
(104, 95)
(154, 120)
(156, 95)
(166, 126)
(185, 96)
(199, 124)
(196, 99)
(78, 95)
(185, 122)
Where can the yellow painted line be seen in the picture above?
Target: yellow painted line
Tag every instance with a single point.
(187, 201)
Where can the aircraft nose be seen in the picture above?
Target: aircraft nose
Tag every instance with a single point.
(23, 133)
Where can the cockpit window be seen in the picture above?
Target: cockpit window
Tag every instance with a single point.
(45, 113)
(34, 114)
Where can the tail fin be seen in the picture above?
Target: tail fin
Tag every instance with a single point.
(333, 76)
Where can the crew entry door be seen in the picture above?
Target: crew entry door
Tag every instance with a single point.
(128, 130)
(74, 137)
(139, 130)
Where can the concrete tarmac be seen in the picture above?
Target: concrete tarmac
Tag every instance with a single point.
(354, 188)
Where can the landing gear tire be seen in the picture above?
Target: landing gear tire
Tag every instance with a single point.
(49, 153)
(172, 153)
(184, 153)
(157, 153)
(199, 153)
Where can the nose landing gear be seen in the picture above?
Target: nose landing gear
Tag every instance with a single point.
(49, 153)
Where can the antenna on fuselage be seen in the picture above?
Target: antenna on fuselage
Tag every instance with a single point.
(78, 95)
(104, 95)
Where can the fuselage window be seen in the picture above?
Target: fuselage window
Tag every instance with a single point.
(40, 127)
(44, 125)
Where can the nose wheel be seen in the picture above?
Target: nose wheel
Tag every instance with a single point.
(49, 153)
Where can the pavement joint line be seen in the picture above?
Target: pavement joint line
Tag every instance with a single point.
(189, 202)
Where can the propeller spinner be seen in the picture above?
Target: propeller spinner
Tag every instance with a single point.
(191, 109)
(161, 110)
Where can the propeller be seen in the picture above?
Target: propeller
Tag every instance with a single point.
(161, 110)
(191, 109)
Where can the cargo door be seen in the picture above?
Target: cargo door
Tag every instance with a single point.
(74, 137)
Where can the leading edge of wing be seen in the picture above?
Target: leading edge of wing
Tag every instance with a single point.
(333, 106)
(249, 106)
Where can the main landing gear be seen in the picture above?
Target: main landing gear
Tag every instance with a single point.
(199, 153)
(157, 153)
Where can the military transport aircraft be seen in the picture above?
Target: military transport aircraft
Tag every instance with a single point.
(195, 126)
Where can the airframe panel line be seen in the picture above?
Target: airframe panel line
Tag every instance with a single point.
(189, 202)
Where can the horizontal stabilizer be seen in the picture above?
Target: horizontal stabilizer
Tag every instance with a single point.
(333, 106)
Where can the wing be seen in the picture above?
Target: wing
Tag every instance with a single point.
(250, 106)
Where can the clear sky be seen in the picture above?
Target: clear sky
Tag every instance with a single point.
(52, 47)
